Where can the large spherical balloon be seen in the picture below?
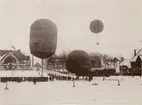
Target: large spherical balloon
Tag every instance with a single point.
(43, 38)
(96, 26)
(78, 62)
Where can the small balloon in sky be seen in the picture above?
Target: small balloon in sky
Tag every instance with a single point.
(43, 38)
(96, 26)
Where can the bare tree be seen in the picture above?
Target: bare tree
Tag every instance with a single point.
(62, 58)
(99, 58)
(96, 59)
(63, 55)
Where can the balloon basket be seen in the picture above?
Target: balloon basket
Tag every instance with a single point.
(97, 43)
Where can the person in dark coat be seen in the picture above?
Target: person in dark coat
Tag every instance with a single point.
(34, 81)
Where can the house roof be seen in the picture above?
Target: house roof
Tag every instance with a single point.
(135, 57)
(125, 62)
(3, 52)
(20, 56)
(37, 65)
(1, 57)
(140, 57)
(117, 59)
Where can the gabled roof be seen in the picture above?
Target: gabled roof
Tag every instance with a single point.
(37, 65)
(140, 57)
(1, 57)
(3, 52)
(135, 57)
(20, 56)
(117, 59)
(125, 62)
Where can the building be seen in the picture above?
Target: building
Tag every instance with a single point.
(117, 62)
(57, 64)
(14, 60)
(37, 66)
(136, 60)
(125, 66)
(136, 63)
(112, 64)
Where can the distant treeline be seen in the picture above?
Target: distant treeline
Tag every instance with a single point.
(98, 59)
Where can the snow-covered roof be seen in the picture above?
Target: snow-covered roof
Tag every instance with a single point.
(2, 56)
(17, 53)
(140, 57)
(135, 57)
(117, 59)
(126, 62)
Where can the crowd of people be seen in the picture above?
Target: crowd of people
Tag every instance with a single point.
(42, 79)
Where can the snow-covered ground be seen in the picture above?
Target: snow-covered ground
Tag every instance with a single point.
(63, 93)
(30, 73)
(21, 73)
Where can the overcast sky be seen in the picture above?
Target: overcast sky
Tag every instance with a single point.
(122, 24)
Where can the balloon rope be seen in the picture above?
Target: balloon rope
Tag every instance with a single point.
(97, 39)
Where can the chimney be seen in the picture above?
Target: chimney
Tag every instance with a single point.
(135, 52)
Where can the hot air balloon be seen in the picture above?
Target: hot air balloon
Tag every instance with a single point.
(79, 62)
(96, 26)
(43, 38)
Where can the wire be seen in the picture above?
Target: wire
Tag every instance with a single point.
(97, 40)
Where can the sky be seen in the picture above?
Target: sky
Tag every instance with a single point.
(122, 21)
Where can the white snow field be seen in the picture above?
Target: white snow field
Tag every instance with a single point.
(96, 92)
(31, 73)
